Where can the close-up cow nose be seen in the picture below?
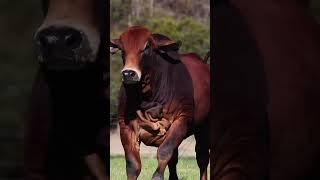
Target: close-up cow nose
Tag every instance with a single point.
(59, 38)
(129, 76)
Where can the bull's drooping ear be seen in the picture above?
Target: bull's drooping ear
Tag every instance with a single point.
(172, 46)
(114, 46)
(164, 43)
(167, 47)
(170, 51)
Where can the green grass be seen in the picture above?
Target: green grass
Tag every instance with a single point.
(187, 168)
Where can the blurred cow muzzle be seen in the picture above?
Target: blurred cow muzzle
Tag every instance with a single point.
(62, 38)
(61, 48)
(130, 76)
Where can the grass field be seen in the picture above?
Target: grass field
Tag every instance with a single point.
(187, 168)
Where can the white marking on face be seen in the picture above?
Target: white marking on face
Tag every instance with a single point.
(133, 69)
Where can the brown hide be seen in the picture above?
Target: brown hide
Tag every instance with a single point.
(200, 74)
(290, 45)
(288, 40)
(239, 128)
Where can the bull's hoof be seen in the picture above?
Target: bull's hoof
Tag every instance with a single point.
(157, 176)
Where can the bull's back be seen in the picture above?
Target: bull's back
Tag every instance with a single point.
(200, 75)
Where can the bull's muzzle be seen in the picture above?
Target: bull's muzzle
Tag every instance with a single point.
(130, 77)
(62, 48)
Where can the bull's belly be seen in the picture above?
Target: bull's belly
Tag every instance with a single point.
(152, 132)
(151, 139)
(154, 138)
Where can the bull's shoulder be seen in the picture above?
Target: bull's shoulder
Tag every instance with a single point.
(190, 57)
(193, 60)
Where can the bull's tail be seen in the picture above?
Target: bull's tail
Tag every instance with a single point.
(206, 57)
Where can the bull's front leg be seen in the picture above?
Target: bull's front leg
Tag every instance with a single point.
(174, 136)
(129, 139)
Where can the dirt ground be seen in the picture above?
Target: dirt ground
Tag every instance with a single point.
(186, 149)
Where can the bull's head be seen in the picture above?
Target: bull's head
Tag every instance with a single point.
(69, 36)
(136, 45)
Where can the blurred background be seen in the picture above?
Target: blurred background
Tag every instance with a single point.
(18, 20)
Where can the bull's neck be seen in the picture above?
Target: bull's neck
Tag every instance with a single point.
(159, 79)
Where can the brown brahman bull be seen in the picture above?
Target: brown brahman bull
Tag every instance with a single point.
(66, 129)
(164, 98)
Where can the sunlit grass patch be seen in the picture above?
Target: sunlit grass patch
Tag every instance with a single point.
(187, 168)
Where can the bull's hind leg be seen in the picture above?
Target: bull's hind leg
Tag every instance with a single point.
(131, 149)
(172, 164)
(202, 150)
(176, 133)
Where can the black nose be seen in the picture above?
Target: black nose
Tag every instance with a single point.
(130, 76)
(52, 39)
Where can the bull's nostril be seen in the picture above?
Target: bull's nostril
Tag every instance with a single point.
(59, 38)
(43, 41)
(132, 74)
(125, 74)
(73, 40)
